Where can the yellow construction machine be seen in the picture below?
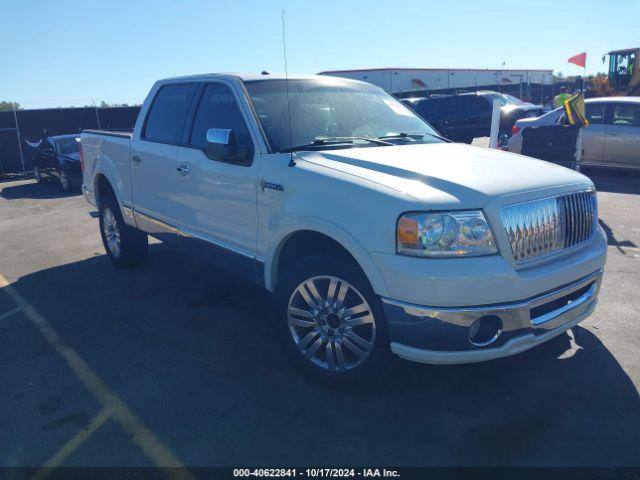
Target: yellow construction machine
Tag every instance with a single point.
(624, 71)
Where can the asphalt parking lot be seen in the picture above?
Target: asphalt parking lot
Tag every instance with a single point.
(168, 364)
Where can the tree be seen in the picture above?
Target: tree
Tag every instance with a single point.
(104, 104)
(8, 106)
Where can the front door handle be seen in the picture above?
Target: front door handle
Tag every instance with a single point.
(136, 159)
(183, 169)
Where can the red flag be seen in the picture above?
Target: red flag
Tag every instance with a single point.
(579, 60)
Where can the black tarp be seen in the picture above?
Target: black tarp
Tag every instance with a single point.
(37, 124)
(553, 143)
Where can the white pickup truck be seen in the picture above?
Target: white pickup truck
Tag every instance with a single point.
(375, 235)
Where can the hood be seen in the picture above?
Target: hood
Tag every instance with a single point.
(450, 174)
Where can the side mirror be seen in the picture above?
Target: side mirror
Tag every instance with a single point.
(222, 146)
(220, 142)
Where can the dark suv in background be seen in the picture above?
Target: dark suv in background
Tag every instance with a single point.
(465, 116)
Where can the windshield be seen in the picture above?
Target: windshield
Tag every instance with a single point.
(330, 109)
(505, 99)
(67, 146)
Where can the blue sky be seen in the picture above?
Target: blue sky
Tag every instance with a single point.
(64, 52)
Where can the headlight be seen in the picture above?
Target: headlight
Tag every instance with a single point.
(445, 234)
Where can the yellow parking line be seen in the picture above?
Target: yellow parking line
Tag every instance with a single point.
(152, 447)
(70, 447)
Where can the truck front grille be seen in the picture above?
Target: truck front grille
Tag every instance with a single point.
(546, 226)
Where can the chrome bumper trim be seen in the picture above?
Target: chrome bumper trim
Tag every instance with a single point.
(444, 331)
(512, 347)
(517, 315)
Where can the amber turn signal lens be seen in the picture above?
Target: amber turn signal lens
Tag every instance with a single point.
(407, 231)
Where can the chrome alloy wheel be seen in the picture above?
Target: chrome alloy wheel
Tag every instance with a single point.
(331, 323)
(111, 232)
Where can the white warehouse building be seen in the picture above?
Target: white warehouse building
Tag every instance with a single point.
(407, 79)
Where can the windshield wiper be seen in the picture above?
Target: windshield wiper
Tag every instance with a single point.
(412, 136)
(320, 143)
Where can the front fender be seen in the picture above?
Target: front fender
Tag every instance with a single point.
(314, 224)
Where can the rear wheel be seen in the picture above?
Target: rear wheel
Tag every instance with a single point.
(330, 321)
(125, 246)
(65, 182)
(37, 174)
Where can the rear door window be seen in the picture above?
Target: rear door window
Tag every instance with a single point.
(167, 114)
(626, 115)
(477, 105)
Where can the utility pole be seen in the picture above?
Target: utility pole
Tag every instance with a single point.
(95, 107)
(15, 119)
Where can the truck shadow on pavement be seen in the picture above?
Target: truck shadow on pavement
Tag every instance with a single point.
(612, 240)
(193, 354)
(33, 190)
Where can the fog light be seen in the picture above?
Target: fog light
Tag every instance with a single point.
(485, 330)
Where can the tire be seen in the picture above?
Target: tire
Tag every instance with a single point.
(468, 140)
(37, 175)
(322, 340)
(126, 247)
(65, 181)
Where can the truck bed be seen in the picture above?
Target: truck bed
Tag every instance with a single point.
(107, 152)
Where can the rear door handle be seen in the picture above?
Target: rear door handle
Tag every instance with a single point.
(136, 159)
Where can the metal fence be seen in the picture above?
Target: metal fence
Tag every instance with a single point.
(22, 128)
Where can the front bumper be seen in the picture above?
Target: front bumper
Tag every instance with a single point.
(441, 334)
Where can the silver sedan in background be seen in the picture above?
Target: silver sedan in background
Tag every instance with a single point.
(612, 137)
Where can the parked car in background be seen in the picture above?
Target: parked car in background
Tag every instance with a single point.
(59, 157)
(611, 139)
(374, 234)
(463, 117)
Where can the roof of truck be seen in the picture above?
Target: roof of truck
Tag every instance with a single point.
(248, 77)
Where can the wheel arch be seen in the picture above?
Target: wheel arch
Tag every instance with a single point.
(319, 237)
(102, 188)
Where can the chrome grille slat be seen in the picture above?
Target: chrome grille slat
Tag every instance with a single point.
(549, 225)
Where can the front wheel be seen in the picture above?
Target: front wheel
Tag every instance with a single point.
(125, 246)
(330, 321)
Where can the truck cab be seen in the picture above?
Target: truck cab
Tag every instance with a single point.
(375, 235)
